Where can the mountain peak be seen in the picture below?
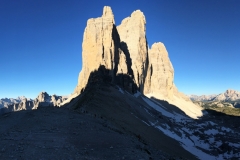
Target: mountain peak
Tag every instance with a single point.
(107, 13)
(230, 91)
(43, 97)
(138, 14)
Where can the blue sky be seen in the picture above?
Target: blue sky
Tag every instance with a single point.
(40, 42)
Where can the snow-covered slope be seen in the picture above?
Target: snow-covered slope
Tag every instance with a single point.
(202, 138)
(188, 107)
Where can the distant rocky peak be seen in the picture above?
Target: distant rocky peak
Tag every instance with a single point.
(230, 92)
(21, 97)
(228, 95)
(43, 97)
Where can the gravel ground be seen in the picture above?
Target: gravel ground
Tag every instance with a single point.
(60, 133)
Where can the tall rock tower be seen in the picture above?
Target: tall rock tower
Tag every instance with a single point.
(132, 33)
(160, 73)
(100, 47)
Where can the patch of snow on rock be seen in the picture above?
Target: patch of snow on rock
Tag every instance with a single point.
(211, 132)
(187, 144)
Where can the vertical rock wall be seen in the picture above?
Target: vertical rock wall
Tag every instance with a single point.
(100, 47)
(132, 33)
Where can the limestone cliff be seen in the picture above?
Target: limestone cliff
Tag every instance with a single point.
(160, 73)
(132, 33)
(100, 47)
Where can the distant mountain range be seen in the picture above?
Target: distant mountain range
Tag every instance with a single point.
(4, 102)
(227, 96)
(23, 103)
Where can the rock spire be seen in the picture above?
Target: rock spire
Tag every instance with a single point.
(100, 46)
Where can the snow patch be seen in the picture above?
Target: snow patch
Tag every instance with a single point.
(177, 117)
(187, 144)
(211, 132)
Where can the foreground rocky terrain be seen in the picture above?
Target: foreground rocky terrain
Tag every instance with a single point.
(107, 122)
(59, 133)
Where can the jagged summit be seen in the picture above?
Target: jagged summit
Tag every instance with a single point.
(43, 100)
(230, 92)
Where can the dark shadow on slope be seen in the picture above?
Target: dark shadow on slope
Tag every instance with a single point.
(103, 76)
(123, 112)
(218, 114)
(213, 115)
(222, 118)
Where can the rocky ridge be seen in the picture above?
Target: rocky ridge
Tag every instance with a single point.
(4, 102)
(228, 95)
(23, 103)
(124, 52)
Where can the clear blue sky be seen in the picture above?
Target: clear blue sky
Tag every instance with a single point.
(40, 42)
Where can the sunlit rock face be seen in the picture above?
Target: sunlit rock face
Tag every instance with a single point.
(229, 95)
(160, 73)
(132, 33)
(101, 46)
